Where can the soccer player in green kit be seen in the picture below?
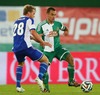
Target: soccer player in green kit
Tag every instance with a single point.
(49, 31)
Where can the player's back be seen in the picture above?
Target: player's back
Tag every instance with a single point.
(21, 35)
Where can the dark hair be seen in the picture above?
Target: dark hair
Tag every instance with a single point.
(28, 8)
(50, 8)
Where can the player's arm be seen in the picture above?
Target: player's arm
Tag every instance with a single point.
(39, 31)
(30, 23)
(65, 29)
(33, 38)
(37, 38)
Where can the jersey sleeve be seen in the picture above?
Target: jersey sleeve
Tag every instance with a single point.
(31, 24)
(39, 29)
(62, 27)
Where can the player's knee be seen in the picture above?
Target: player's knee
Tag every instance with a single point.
(21, 63)
(70, 59)
(46, 74)
(44, 59)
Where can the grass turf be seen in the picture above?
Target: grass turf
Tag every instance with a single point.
(56, 89)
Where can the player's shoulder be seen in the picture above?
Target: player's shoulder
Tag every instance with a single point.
(29, 20)
(42, 23)
(24, 18)
(57, 22)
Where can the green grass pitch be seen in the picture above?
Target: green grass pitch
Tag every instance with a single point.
(56, 89)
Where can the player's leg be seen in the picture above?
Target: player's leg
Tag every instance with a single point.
(46, 82)
(50, 56)
(42, 70)
(35, 54)
(20, 58)
(64, 54)
(43, 66)
(18, 77)
(71, 70)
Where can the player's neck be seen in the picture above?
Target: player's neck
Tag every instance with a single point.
(50, 22)
(27, 15)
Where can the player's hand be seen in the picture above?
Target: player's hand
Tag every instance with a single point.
(65, 33)
(45, 44)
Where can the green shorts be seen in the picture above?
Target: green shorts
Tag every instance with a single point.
(59, 53)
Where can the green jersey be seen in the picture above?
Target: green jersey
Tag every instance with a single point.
(45, 28)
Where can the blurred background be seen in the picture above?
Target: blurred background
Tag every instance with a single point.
(82, 17)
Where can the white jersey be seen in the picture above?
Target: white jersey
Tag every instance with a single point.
(45, 28)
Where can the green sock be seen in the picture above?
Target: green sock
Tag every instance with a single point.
(46, 80)
(70, 72)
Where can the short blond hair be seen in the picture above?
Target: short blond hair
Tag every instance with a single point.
(28, 8)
